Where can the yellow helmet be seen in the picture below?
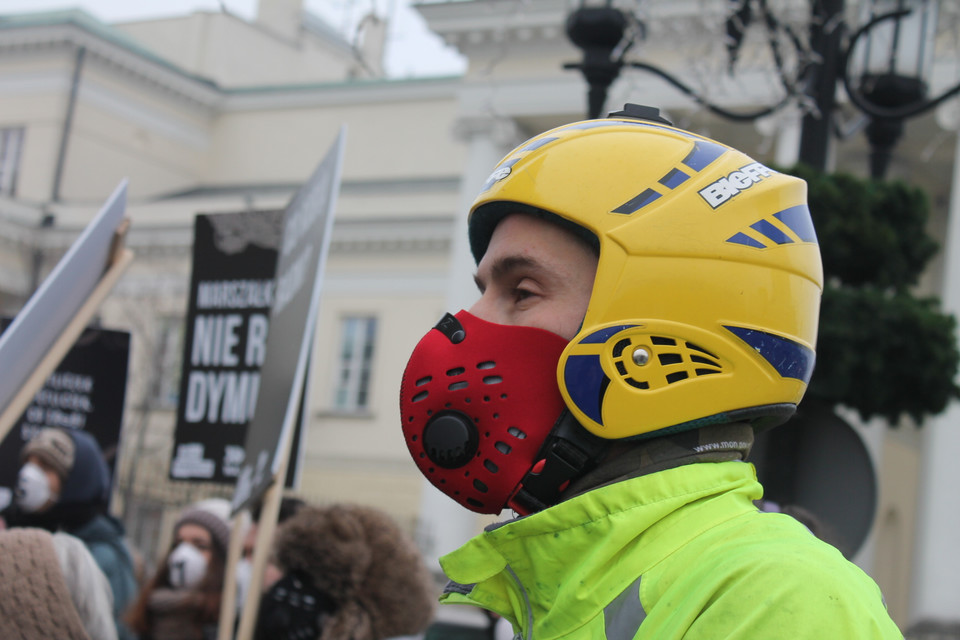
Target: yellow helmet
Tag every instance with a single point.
(707, 294)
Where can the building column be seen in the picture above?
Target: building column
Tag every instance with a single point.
(936, 573)
(444, 525)
(783, 128)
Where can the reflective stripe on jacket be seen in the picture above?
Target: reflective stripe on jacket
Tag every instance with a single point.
(682, 553)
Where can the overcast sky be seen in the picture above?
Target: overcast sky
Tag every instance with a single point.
(412, 50)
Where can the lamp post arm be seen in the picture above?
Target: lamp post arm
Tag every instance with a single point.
(713, 108)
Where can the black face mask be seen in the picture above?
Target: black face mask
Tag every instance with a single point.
(292, 609)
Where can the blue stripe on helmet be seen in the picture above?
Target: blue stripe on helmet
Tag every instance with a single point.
(744, 239)
(585, 382)
(799, 220)
(674, 179)
(768, 229)
(702, 154)
(790, 359)
(601, 336)
(638, 202)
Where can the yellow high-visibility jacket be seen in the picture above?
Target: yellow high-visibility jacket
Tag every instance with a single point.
(681, 553)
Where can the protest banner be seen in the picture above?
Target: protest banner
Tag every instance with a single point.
(300, 266)
(59, 310)
(225, 332)
(87, 391)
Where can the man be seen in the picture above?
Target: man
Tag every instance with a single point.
(650, 298)
(64, 485)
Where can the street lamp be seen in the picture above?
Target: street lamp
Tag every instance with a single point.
(882, 65)
(887, 61)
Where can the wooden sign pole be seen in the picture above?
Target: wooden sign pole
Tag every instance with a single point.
(228, 601)
(266, 528)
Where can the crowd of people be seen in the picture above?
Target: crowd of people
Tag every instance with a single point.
(67, 570)
(649, 299)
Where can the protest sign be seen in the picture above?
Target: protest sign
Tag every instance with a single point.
(225, 333)
(306, 240)
(87, 392)
(303, 251)
(231, 291)
(56, 314)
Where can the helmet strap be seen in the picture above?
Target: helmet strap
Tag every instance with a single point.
(569, 452)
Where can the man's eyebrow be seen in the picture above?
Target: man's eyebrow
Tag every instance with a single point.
(503, 266)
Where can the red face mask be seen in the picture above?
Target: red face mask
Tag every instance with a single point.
(478, 400)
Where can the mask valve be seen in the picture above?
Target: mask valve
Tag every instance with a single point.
(450, 439)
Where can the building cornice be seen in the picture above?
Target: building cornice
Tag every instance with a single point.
(75, 29)
(70, 30)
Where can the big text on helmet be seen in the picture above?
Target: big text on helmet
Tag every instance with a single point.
(719, 192)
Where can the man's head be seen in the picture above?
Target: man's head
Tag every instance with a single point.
(701, 307)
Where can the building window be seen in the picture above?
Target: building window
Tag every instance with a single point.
(357, 338)
(11, 143)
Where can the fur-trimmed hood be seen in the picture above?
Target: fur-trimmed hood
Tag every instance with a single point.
(366, 563)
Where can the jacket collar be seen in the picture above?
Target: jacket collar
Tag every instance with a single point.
(566, 563)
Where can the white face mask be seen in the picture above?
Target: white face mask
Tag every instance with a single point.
(33, 488)
(187, 566)
(244, 575)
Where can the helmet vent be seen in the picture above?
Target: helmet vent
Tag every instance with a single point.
(487, 364)
(516, 433)
(423, 381)
(491, 466)
(620, 346)
(492, 380)
(690, 345)
(458, 371)
(456, 386)
(677, 360)
(420, 396)
(503, 447)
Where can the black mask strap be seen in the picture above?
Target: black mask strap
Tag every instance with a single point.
(569, 452)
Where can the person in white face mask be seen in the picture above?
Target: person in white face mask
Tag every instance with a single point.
(182, 600)
(64, 485)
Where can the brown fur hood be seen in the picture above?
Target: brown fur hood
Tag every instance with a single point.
(361, 558)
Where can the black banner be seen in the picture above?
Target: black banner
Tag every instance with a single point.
(231, 291)
(87, 391)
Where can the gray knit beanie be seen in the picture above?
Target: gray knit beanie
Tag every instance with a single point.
(213, 515)
(55, 447)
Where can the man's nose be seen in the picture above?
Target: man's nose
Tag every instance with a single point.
(485, 309)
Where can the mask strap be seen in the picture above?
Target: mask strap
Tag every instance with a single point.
(569, 452)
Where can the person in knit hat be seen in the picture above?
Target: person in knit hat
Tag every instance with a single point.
(64, 485)
(51, 587)
(182, 600)
(349, 572)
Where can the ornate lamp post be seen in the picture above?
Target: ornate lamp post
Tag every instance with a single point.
(882, 65)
